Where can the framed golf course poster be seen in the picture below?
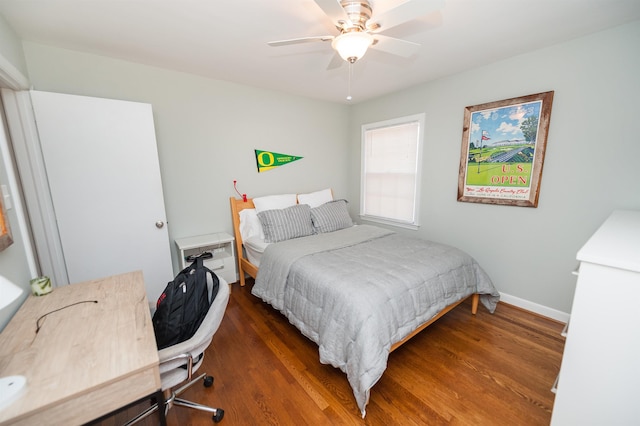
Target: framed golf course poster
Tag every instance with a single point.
(503, 147)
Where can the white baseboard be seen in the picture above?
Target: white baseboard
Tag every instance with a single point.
(534, 307)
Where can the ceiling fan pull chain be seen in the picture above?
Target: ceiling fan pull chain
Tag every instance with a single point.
(349, 84)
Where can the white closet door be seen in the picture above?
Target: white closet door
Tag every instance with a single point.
(101, 162)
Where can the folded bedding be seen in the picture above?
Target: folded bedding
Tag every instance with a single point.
(254, 248)
(357, 291)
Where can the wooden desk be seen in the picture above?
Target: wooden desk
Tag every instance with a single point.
(87, 359)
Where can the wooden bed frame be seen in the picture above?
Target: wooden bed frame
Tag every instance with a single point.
(246, 267)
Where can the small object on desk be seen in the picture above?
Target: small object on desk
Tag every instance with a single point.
(41, 286)
(11, 388)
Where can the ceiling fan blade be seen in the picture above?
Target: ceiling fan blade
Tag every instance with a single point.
(411, 9)
(336, 62)
(395, 46)
(333, 10)
(300, 40)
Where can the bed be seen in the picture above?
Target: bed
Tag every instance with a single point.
(358, 291)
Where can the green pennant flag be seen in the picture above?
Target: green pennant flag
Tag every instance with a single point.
(268, 160)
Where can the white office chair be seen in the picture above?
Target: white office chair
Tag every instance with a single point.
(180, 361)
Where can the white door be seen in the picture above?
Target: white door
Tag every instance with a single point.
(101, 163)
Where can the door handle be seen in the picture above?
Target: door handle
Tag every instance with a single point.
(159, 224)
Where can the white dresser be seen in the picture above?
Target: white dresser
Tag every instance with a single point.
(599, 382)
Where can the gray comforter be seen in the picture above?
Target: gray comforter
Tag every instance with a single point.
(357, 291)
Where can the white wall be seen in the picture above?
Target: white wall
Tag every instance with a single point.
(207, 131)
(11, 49)
(591, 166)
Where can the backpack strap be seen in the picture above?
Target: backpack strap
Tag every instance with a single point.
(201, 272)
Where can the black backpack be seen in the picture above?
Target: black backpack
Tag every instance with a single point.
(183, 304)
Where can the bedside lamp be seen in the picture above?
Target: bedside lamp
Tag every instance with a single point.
(12, 386)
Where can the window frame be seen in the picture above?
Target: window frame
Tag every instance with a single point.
(399, 121)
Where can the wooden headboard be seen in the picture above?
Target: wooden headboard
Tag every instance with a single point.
(244, 266)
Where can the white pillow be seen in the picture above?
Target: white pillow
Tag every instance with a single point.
(250, 225)
(315, 199)
(274, 202)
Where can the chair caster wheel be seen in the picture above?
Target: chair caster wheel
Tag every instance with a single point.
(208, 381)
(218, 415)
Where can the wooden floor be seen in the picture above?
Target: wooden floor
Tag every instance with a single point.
(488, 369)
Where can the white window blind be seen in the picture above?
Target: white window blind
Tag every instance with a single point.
(391, 158)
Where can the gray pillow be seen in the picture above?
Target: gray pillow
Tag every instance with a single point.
(285, 224)
(331, 216)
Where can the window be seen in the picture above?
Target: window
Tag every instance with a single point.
(391, 163)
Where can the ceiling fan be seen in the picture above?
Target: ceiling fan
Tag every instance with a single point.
(359, 28)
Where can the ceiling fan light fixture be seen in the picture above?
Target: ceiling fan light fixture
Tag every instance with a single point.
(352, 46)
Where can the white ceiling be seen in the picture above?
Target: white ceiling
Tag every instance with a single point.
(227, 39)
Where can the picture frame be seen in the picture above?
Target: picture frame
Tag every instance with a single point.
(503, 149)
(5, 231)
